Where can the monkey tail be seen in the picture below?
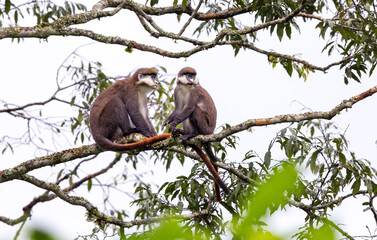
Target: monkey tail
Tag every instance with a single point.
(213, 171)
(107, 144)
(214, 158)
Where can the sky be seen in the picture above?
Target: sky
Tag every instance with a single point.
(242, 87)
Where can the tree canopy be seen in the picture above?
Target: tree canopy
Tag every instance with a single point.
(308, 164)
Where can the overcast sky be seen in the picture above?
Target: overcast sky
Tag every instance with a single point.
(242, 87)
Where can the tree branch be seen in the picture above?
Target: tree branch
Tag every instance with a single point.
(61, 27)
(95, 214)
(84, 151)
(178, 9)
(287, 118)
(307, 209)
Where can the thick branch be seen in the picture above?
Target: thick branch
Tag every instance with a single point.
(48, 197)
(288, 118)
(97, 215)
(84, 151)
(61, 28)
(178, 9)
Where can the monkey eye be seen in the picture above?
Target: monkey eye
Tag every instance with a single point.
(190, 76)
(153, 76)
(140, 76)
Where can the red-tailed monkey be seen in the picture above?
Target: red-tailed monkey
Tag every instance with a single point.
(122, 109)
(196, 110)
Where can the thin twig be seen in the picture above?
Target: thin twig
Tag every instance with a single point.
(190, 18)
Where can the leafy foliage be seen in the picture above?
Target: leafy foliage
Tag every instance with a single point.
(308, 165)
(43, 11)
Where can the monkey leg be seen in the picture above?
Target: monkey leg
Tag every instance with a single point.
(211, 168)
(114, 121)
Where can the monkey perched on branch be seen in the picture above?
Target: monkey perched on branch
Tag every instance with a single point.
(122, 109)
(196, 110)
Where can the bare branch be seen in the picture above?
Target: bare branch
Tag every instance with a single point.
(190, 18)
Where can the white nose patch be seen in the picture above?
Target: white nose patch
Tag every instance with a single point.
(147, 80)
(183, 79)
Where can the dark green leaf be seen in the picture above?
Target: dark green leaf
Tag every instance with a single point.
(267, 159)
(184, 4)
(89, 184)
(7, 6)
(280, 31)
(288, 30)
(154, 2)
(356, 187)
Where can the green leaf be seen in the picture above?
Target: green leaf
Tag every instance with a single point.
(324, 232)
(7, 6)
(342, 158)
(40, 234)
(280, 31)
(288, 67)
(89, 184)
(154, 2)
(170, 230)
(59, 174)
(313, 161)
(372, 69)
(288, 30)
(267, 159)
(15, 17)
(128, 49)
(356, 187)
(184, 4)
(79, 118)
(271, 194)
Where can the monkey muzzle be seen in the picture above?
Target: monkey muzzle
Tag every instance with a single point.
(190, 81)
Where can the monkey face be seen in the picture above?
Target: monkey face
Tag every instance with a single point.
(148, 80)
(188, 79)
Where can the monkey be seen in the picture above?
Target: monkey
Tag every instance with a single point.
(121, 109)
(196, 110)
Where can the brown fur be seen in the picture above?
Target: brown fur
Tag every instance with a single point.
(196, 110)
(121, 110)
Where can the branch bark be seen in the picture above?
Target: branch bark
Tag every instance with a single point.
(60, 27)
(84, 151)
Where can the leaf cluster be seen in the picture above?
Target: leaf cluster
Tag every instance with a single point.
(43, 11)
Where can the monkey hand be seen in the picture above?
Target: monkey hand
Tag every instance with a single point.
(171, 123)
(166, 122)
(177, 132)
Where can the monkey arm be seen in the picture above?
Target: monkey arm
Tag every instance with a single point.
(142, 124)
(170, 118)
(181, 116)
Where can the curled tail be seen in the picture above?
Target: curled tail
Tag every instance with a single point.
(109, 145)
